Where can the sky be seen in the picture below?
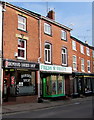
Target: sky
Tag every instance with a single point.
(76, 15)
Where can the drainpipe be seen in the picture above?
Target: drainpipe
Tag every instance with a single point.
(2, 10)
(40, 55)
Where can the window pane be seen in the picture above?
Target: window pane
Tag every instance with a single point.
(45, 55)
(64, 56)
(47, 28)
(21, 22)
(47, 46)
(21, 53)
(48, 56)
(21, 43)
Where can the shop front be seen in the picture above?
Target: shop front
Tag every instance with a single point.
(53, 80)
(83, 84)
(19, 78)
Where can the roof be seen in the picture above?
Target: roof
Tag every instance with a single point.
(82, 42)
(36, 15)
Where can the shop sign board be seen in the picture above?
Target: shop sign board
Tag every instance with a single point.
(55, 68)
(20, 64)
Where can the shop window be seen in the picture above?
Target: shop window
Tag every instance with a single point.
(73, 45)
(61, 85)
(21, 49)
(48, 87)
(55, 85)
(88, 65)
(21, 23)
(47, 53)
(25, 83)
(74, 62)
(64, 56)
(87, 83)
(82, 65)
(63, 35)
(47, 28)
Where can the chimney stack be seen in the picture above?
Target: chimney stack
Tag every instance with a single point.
(51, 15)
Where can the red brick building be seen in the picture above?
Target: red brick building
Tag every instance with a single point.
(41, 58)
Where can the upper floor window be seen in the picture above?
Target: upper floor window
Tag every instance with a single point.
(64, 56)
(88, 65)
(74, 62)
(73, 45)
(21, 49)
(82, 64)
(47, 53)
(47, 28)
(87, 51)
(82, 49)
(21, 23)
(63, 35)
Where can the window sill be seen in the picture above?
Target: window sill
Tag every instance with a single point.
(74, 49)
(22, 30)
(82, 70)
(64, 65)
(48, 63)
(20, 58)
(64, 39)
(48, 34)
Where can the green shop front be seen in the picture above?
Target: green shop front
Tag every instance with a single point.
(53, 80)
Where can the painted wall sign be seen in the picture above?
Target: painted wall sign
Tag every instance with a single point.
(55, 68)
(20, 64)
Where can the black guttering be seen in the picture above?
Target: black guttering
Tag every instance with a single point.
(56, 23)
(25, 11)
(82, 42)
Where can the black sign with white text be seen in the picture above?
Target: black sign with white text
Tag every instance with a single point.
(20, 64)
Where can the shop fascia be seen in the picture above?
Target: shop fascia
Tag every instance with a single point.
(55, 68)
(20, 64)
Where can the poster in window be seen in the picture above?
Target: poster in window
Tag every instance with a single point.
(53, 87)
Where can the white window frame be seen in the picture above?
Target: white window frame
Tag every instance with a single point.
(88, 51)
(74, 62)
(47, 50)
(88, 65)
(63, 35)
(19, 48)
(64, 55)
(82, 49)
(22, 22)
(47, 28)
(74, 45)
(82, 65)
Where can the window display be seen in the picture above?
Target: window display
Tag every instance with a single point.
(25, 82)
(53, 85)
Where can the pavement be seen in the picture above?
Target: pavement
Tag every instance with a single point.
(45, 104)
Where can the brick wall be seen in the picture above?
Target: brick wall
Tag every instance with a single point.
(10, 41)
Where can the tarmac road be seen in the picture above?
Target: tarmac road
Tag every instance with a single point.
(81, 109)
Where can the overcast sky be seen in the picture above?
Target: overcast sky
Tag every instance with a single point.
(76, 15)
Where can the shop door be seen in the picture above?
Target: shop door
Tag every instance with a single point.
(6, 86)
(80, 85)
